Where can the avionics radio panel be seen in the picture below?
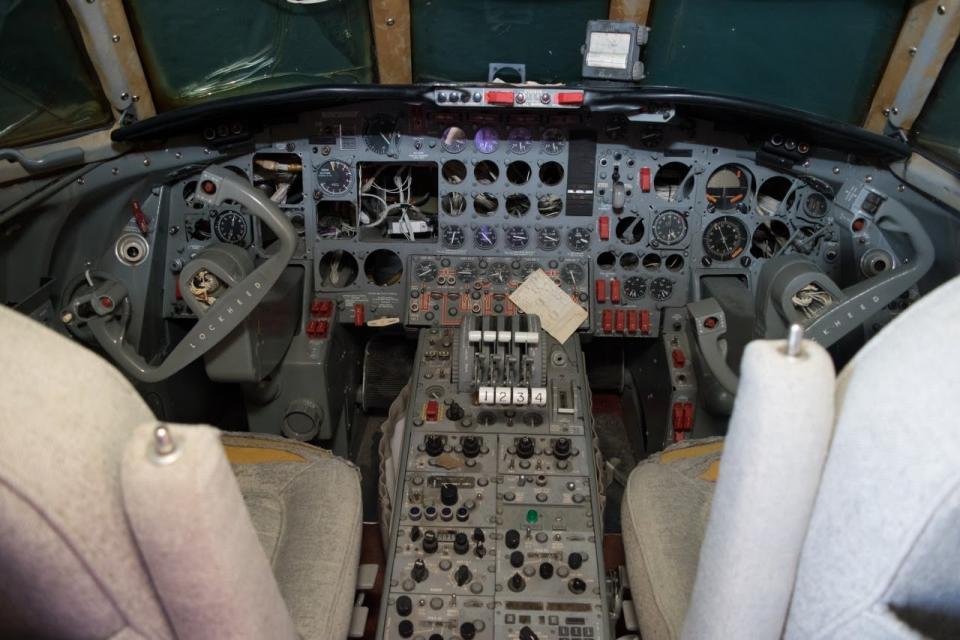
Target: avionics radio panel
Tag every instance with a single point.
(498, 529)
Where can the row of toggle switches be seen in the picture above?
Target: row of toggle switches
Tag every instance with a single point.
(536, 396)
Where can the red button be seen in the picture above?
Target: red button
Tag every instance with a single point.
(321, 308)
(679, 359)
(603, 227)
(358, 315)
(570, 97)
(682, 416)
(645, 322)
(601, 290)
(499, 97)
(615, 291)
(432, 413)
(632, 321)
(645, 179)
(606, 321)
(619, 322)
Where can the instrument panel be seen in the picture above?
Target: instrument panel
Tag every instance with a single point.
(425, 216)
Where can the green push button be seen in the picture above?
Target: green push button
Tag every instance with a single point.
(532, 516)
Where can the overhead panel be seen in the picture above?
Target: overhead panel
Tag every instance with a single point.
(196, 51)
(822, 56)
(457, 40)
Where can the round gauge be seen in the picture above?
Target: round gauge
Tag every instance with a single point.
(467, 272)
(548, 239)
(571, 273)
(486, 140)
(634, 287)
(553, 141)
(661, 288)
(498, 273)
(517, 238)
(380, 133)
(453, 237)
(528, 268)
(578, 239)
(669, 227)
(334, 177)
(724, 239)
(426, 270)
(454, 139)
(815, 205)
(230, 226)
(728, 186)
(520, 140)
(485, 237)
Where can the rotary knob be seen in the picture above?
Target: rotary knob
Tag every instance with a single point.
(574, 560)
(546, 570)
(404, 606)
(419, 572)
(462, 575)
(449, 495)
(517, 583)
(461, 543)
(577, 586)
(433, 445)
(454, 411)
(468, 631)
(471, 446)
(525, 447)
(561, 448)
(512, 539)
(516, 559)
(405, 629)
(430, 542)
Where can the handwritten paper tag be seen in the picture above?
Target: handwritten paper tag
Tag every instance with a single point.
(559, 315)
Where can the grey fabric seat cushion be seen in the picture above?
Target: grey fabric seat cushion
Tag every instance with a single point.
(306, 507)
(664, 513)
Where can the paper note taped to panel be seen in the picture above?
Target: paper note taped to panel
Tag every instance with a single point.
(559, 315)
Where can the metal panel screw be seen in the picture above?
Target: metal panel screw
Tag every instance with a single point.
(135, 98)
(390, 22)
(836, 170)
(894, 110)
(178, 155)
(115, 38)
(886, 111)
(80, 180)
(146, 162)
(66, 317)
(913, 51)
(115, 171)
(868, 179)
(941, 9)
(901, 188)
(124, 96)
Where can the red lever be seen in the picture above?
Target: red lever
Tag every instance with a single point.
(606, 321)
(570, 97)
(679, 359)
(645, 322)
(619, 322)
(645, 179)
(143, 223)
(603, 227)
(632, 321)
(615, 291)
(601, 290)
(358, 314)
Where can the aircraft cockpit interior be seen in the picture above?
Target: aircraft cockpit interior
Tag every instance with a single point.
(331, 319)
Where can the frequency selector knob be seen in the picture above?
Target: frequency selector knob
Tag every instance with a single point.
(430, 542)
(468, 631)
(449, 495)
(461, 543)
(577, 586)
(517, 583)
(525, 447)
(471, 446)
(574, 560)
(546, 570)
(512, 539)
(405, 629)
(561, 448)
(419, 572)
(454, 411)
(516, 559)
(433, 445)
(462, 575)
(404, 606)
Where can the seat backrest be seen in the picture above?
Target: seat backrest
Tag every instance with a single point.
(882, 554)
(76, 480)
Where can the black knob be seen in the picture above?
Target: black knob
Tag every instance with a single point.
(561, 448)
(433, 445)
(471, 446)
(449, 494)
(577, 586)
(435, 636)
(461, 543)
(512, 539)
(430, 542)
(405, 629)
(468, 631)
(546, 570)
(516, 583)
(478, 535)
(479, 550)
(454, 411)
(574, 560)
(525, 447)
(414, 534)
(516, 559)
(404, 606)
(462, 575)
(419, 572)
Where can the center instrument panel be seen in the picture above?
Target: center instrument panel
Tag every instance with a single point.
(429, 215)
(498, 529)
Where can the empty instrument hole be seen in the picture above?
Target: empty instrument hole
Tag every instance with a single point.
(551, 173)
(518, 172)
